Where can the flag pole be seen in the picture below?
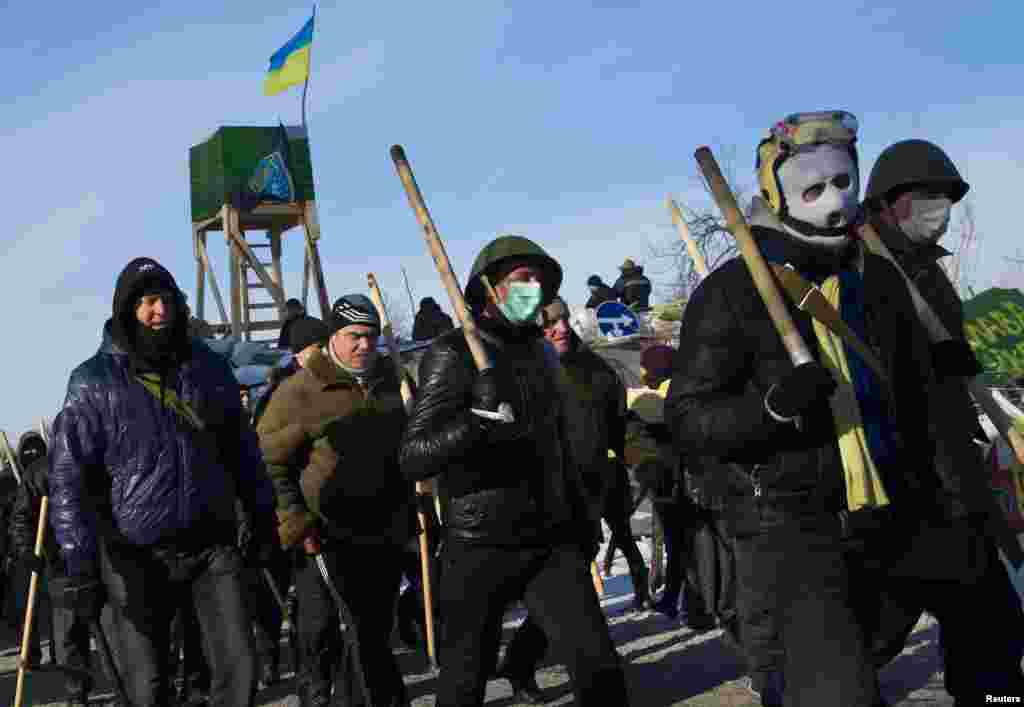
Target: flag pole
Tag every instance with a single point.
(313, 234)
(309, 70)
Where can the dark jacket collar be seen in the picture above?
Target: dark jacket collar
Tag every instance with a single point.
(814, 264)
(501, 334)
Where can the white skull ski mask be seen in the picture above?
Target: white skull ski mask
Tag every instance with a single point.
(821, 187)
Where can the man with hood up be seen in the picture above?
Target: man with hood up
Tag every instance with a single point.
(955, 572)
(330, 437)
(821, 455)
(431, 321)
(149, 452)
(633, 288)
(24, 521)
(517, 523)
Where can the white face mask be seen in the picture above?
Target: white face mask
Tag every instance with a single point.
(928, 219)
(821, 187)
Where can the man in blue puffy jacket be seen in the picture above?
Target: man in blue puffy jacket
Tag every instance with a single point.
(149, 453)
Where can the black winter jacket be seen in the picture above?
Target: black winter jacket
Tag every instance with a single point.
(958, 460)
(730, 357)
(517, 493)
(634, 289)
(596, 418)
(25, 520)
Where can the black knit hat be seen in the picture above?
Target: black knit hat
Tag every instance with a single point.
(306, 331)
(353, 309)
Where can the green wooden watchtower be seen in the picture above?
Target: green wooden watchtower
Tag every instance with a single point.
(220, 166)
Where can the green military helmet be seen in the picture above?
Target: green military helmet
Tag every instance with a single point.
(504, 248)
(907, 163)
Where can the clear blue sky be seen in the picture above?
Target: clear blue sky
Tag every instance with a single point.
(566, 122)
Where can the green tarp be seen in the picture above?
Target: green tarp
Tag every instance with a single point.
(226, 161)
(994, 324)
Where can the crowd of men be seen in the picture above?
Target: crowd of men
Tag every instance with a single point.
(813, 511)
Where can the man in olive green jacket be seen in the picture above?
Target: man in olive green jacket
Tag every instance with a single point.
(330, 440)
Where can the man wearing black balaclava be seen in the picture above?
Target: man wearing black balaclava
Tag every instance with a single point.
(149, 452)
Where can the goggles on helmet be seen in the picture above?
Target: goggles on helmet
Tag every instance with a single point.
(801, 131)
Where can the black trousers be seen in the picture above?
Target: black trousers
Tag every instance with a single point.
(266, 612)
(141, 585)
(367, 577)
(794, 598)
(72, 636)
(187, 641)
(479, 582)
(714, 563)
(616, 509)
(980, 620)
(681, 523)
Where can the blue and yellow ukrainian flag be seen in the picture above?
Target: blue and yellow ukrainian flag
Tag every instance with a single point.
(290, 64)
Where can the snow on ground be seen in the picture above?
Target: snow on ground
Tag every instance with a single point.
(667, 665)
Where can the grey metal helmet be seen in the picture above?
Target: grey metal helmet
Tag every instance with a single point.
(907, 163)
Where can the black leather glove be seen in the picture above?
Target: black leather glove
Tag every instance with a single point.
(806, 386)
(32, 486)
(84, 595)
(490, 390)
(32, 563)
(955, 359)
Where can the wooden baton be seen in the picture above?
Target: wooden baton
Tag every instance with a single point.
(759, 271)
(421, 487)
(444, 266)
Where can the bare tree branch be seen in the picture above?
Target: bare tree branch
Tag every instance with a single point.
(707, 228)
(398, 313)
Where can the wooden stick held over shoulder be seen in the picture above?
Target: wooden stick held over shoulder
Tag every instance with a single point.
(691, 245)
(759, 271)
(444, 266)
(938, 333)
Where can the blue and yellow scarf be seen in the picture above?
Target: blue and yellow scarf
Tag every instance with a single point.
(864, 426)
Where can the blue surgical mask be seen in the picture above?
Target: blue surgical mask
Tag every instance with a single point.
(522, 303)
